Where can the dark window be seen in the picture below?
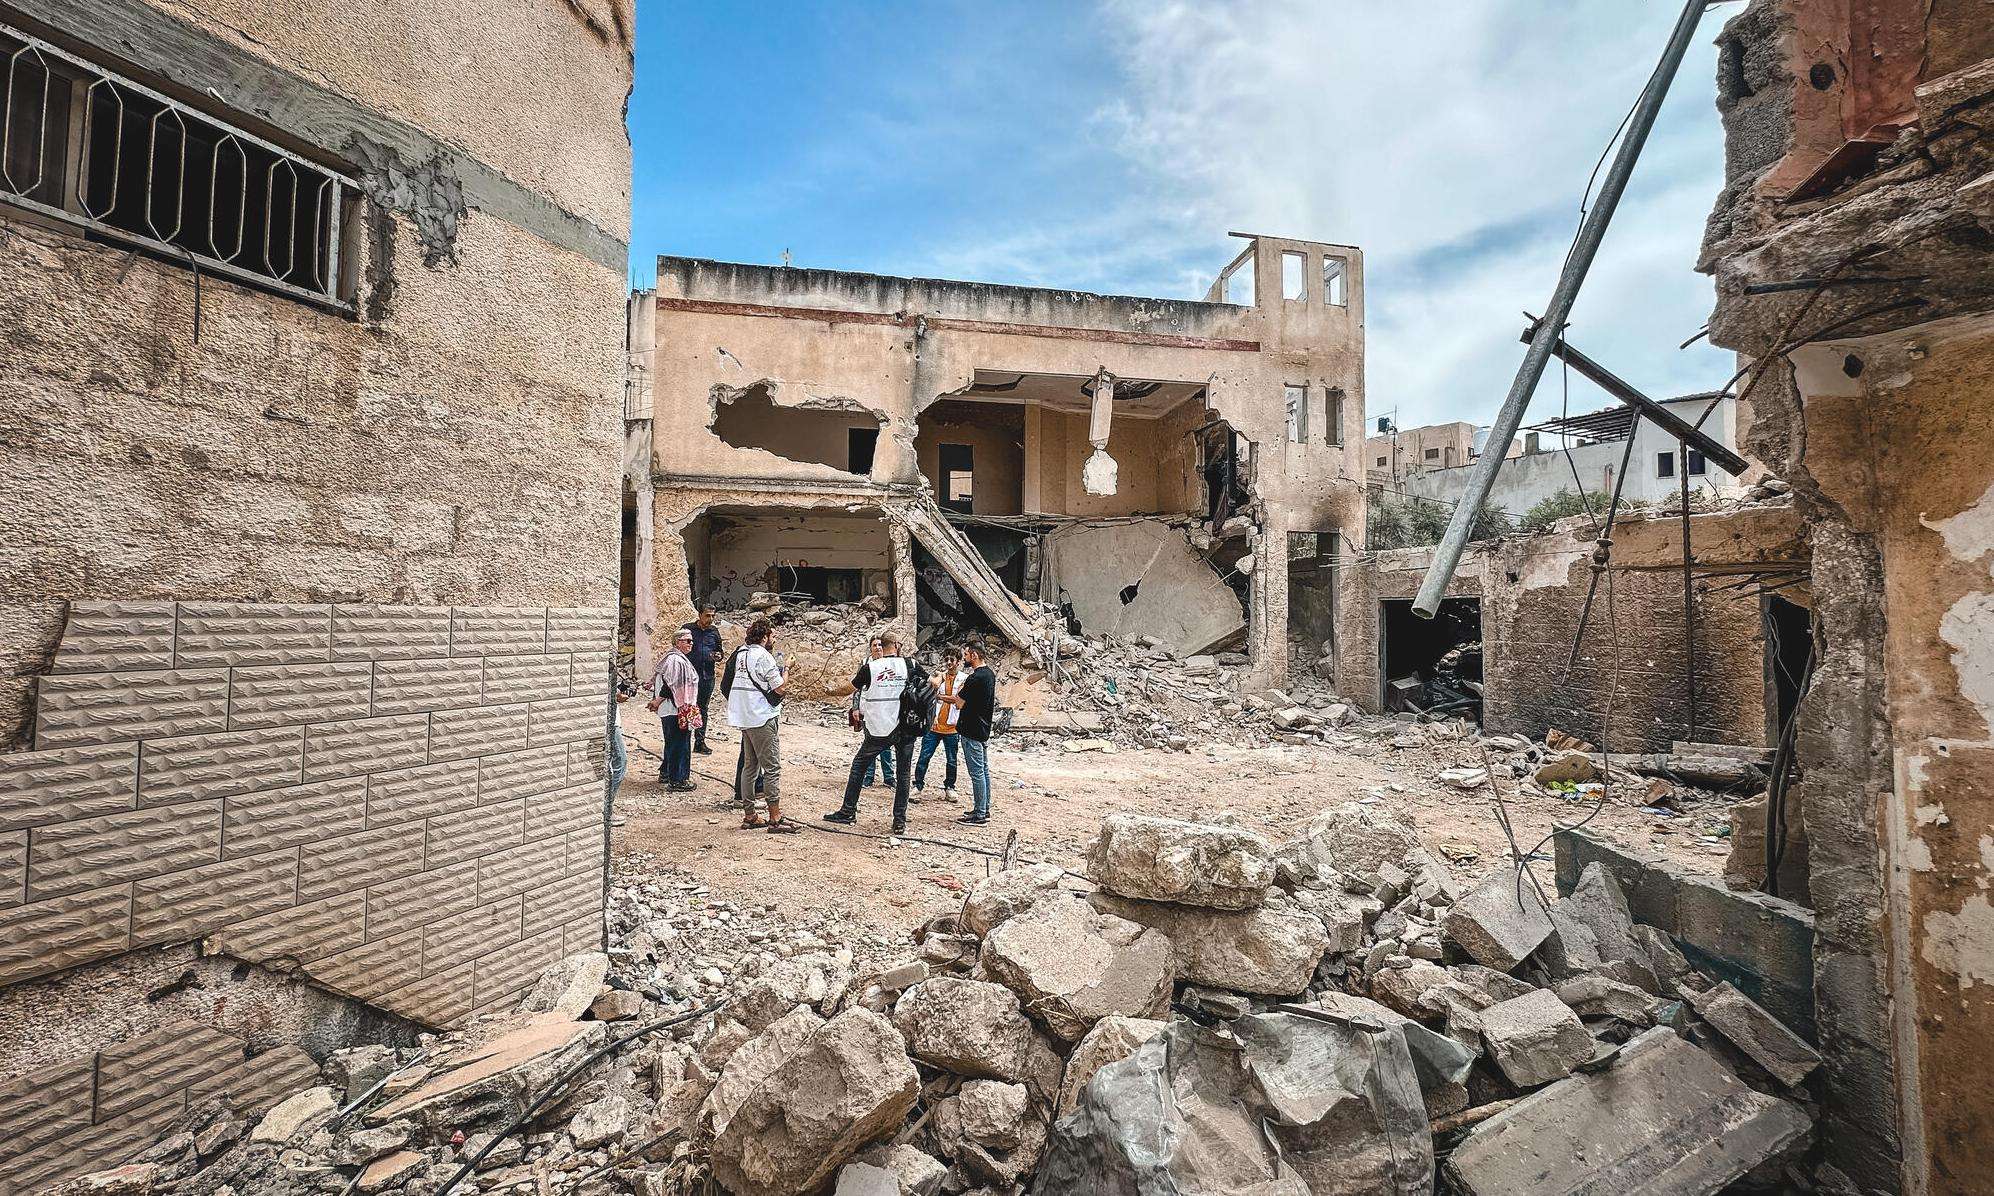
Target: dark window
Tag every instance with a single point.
(1665, 465)
(860, 444)
(1381, 463)
(957, 464)
(1333, 416)
(94, 149)
(1432, 454)
(1693, 462)
(823, 585)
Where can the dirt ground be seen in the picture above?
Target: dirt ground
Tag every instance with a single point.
(1052, 800)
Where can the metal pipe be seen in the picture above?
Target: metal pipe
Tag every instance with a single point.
(1669, 421)
(1447, 556)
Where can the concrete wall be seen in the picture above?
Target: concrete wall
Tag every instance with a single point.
(1528, 479)
(450, 445)
(894, 345)
(739, 550)
(995, 434)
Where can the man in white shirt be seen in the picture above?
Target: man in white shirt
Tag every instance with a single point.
(754, 700)
(879, 684)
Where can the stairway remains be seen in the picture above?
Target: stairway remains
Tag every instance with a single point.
(958, 558)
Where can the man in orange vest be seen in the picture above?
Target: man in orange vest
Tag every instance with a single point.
(942, 733)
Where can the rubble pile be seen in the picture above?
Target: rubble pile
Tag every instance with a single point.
(822, 643)
(1207, 1012)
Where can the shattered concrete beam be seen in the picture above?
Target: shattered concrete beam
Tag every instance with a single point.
(960, 560)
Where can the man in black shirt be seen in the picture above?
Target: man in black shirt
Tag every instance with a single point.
(705, 655)
(976, 698)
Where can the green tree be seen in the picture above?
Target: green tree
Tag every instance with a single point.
(1563, 503)
(1403, 521)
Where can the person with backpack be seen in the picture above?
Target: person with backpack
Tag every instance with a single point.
(893, 693)
(755, 685)
(976, 702)
(884, 762)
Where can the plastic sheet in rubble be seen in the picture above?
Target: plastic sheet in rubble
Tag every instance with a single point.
(1274, 1104)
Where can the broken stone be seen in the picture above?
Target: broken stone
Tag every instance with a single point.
(1272, 949)
(846, 1084)
(1354, 839)
(1161, 859)
(1566, 768)
(1405, 986)
(132, 1179)
(976, 1029)
(1745, 1024)
(1441, 1063)
(1535, 1038)
(1343, 915)
(1592, 929)
(907, 975)
(1112, 1039)
(356, 1069)
(1465, 778)
(1673, 975)
(864, 1179)
(617, 1004)
(497, 1078)
(1071, 965)
(988, 1129)
(295, 1115)
(1500, 921)
(391, 1171)
(1275, 1104)
(918, 1173)
(1600, 996)
(569, 986)
(1664, 1118)
(810, 981)
(602, 1121)
(1004, 895)
(749, 1067)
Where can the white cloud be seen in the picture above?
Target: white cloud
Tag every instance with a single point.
(1450, 141)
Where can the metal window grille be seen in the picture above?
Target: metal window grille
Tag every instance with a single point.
(90, 148)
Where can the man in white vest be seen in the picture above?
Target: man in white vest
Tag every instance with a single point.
(879, 684)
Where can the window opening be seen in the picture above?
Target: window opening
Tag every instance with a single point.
(1432, 454)
(1294, 275)
(1239, 284)
(861, 444)
(1298, 412)
(93, 149)
(1381, 463)
(1694, 464)
(957, 465)
(1665, 465)
(1333, 270)
(1333, 416)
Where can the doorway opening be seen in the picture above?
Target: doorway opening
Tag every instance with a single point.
(1431, 667)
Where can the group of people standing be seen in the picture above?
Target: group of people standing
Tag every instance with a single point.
(895, 703)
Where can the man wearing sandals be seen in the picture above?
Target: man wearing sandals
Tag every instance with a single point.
(756, 687)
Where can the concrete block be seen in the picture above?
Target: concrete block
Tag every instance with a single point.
(1746, 1025)
(182, 906)
(588, 673)
(218, 634)
(528, 772)
(581, 629)
(140, 1070)
(48, 936)
(498, 630)
(64, 784)
(272, 818)
(509, 873)
(300, 934)
(1535, 1038)
(115, 637)
(1178, 599)
(1665, 1119)
(431, 683)
(573, 808)
(435, 1000)
(1500, 921)
(563, 720)
(74, 709)
(1162, 859)
(376, 966)
(45, 1105)
(479, 731)
(390, 632)
(454, 838)
(195, 767)
(96, 853)
(366, 745)
(285, 695)
(510, 679)
(409, 794)
(1272, 949)
(358, 860)
(397, 905)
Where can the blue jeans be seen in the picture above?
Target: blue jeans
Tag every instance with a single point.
(976, 758)
(678, 751)
(881, 763)
(619, 758)
(929, 742)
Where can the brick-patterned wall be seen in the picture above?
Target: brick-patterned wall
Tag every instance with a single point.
(75, 1116)
(403, 803)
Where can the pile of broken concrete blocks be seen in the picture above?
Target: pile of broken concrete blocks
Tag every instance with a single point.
(1206, 1011)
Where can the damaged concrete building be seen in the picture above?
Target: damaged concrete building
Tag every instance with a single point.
(1853, 252)
(310, 438)
(972, 456)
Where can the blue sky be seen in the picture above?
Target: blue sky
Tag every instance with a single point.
(1109, 145)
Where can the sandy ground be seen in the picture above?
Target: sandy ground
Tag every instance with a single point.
(1052, 800)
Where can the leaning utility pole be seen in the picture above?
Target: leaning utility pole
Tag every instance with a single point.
(1640, 122)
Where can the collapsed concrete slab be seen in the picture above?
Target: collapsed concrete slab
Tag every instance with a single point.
(1762, 1037)
(1277, 1104)
(1500, 921)
(1071, 965)
(1593, 931)
(1005, 894)
(967, 568)
(1189, 863)
(847, 1084)
(975, 1029)
(1271, 949)
(1665, 1119)
(1535, 1038)
(1142, 577)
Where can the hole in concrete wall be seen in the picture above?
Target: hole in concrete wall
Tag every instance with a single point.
(822, 434)
(1852, 366)
(1294, 275)
(1821, 76)
(1731, 84)
(825, 556)
(1239, 284)
(1129, 592)
(1432, 666)
(1311, 601)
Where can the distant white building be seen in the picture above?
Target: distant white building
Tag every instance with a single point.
(1597, 441)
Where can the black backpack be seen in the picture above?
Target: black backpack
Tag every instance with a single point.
(917, 704)
(727, 679)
